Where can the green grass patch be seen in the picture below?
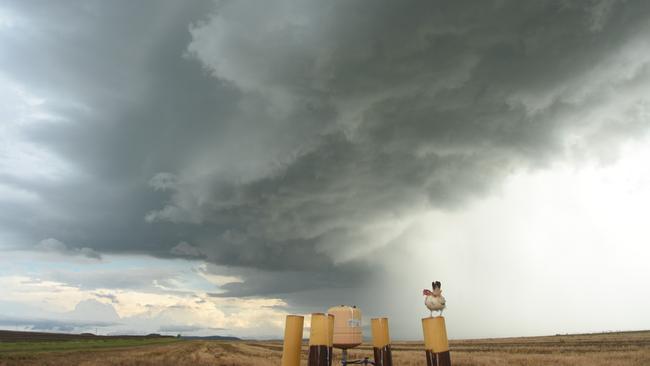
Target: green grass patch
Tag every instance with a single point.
(76, 345)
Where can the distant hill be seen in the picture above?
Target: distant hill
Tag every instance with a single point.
(23, 336)
(212, 338)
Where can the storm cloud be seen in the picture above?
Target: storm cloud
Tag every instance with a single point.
(291, 143)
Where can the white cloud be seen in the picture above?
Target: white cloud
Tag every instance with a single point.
(37, 299)
(92, 309)
(47, 295)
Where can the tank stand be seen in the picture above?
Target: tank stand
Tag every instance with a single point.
(344, 360)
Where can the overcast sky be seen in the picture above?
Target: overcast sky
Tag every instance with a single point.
(207, 167)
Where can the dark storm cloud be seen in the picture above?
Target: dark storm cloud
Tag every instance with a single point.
(96, 63)
(260, 282)
(286, 139)
(435, 103)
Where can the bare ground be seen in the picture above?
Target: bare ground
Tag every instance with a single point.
(618, 349)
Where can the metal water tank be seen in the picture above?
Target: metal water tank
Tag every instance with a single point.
(347, 326)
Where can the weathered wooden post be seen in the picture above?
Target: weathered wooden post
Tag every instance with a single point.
(292, 340)
(436, 344)
(381, 342)
(320, 340)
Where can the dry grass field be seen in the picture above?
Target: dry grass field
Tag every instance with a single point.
(628, 348)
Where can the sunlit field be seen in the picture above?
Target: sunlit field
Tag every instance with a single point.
(627, 348)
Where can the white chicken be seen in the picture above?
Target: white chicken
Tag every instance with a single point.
(434, 299)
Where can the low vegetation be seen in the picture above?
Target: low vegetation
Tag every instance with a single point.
(76, 345)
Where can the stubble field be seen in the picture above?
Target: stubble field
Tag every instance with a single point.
(627, 348)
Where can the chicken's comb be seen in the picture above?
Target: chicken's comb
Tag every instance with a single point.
(426, 292)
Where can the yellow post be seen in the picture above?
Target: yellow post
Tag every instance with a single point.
(330, 341)
(292, 340)
(381, 342)
(436, 344)
(319, 340)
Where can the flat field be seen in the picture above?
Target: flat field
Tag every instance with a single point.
(618, 349)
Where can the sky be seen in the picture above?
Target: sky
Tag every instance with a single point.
(208, 167)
